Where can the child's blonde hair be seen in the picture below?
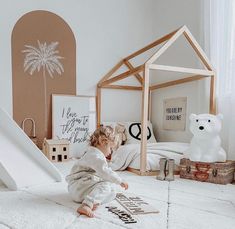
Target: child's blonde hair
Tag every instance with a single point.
(103, 132)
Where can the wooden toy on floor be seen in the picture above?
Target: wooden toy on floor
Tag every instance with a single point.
(56, 150)
(134, 204)
(124, 216)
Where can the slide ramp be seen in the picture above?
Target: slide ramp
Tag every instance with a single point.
(22, 164)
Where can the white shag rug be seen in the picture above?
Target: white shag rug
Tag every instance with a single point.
(182, 204)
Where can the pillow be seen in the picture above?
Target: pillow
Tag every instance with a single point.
(134, 132)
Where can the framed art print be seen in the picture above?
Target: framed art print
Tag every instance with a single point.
(74, 119)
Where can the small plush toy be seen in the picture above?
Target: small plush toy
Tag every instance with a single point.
(205, 145)
(120, 130)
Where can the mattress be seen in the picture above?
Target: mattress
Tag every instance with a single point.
(129, 155)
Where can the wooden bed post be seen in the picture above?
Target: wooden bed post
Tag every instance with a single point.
(150, 105)
(212, 95)
(145, 95)
(98, 105)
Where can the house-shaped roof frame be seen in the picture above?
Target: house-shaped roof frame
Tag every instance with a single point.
(108, 80)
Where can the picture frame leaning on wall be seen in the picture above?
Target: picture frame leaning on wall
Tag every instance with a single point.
(74, 119)
(174, 114)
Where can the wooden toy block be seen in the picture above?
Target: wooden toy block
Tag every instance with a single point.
(134, 204)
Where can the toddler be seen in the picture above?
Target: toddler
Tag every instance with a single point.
(90, 180)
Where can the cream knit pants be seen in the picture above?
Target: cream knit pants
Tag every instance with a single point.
(91, 190)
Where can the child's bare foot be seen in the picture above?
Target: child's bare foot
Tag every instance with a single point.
(85, 210)
(95, 206)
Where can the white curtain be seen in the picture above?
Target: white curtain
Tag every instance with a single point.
(219, 24)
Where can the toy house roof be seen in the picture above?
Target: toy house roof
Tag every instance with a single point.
(57, 142)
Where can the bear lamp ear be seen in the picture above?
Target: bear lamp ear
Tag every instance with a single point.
(220, 116)
(192, 117)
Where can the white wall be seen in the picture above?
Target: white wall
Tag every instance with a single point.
(105, 31)
(170, 15)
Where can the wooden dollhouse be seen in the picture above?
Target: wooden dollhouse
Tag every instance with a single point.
(56, 150)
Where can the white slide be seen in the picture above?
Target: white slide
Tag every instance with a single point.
(22, 164)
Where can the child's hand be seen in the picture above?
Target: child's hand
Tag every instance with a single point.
(124, 185)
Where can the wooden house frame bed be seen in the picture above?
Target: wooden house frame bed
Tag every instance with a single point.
(169, 39)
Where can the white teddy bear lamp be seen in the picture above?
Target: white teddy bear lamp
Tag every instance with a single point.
(205, 145)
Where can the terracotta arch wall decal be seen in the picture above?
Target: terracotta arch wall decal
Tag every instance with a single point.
(43, 63)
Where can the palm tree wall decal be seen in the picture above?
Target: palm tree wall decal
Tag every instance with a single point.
(44, 57)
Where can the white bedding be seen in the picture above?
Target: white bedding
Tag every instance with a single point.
(129, 155)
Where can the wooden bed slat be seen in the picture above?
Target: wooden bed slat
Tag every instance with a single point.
(180, 69)
(123, 75)
(114, 69)
(148, 173)
(201, 54)
(155, 43)
(166, 45)
(176, 82)
(122, 87)
(137, 75)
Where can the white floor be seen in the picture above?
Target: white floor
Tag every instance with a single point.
(182, 204)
